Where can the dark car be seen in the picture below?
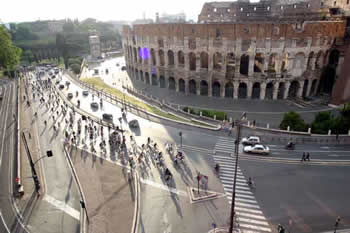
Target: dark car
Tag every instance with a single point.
(70, 95)
(123, 68)
(53, 76)
(61, 86)
(107, 117)
(94, 105)
(85, 93)
(134, 124)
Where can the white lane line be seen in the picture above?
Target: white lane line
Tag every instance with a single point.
(230, 182)
(63, 206)
(229, 196)
(229, 190)
(3, 221)
(245, 200)
(261, 217)
(231, 178)
(249, 210)
(238, 203)
(164, 187)
(255, 227)
(252, 221)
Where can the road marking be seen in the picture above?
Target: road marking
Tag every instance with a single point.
(249, 210)
(239, 213)
(255, 227)
(164, 187)
(3, 221)
(252, 221)
(63, 206)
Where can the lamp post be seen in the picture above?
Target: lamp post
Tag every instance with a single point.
(232, 215)
(336, 224)
(180, 134)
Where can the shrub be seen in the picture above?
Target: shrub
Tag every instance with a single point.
(294, 121)
(75, 68)
(207, 113)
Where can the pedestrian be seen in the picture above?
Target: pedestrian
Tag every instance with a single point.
(307, 157)
(337, 137)
(303, 158)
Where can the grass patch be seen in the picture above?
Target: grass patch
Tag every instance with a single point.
(207, 113)
(99, 84)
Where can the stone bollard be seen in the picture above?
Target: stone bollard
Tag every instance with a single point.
(248, 123)
(188, 110)
(309, 130)
(288, 128)
(230, 119)
(268, 126)
(200, 113)
(178, 107)
(214, 117)
(329, 132)
(349, 132)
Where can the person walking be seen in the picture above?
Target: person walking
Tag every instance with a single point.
(307, 157)
(303, 158)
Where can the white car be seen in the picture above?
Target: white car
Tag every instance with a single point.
(257, 149)
(252, 140)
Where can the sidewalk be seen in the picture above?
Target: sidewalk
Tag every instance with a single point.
(109, 196)
(26, 126)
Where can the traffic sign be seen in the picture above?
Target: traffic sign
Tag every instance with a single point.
(16, 179)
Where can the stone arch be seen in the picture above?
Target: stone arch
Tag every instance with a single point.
(230, 64)
(204, 60)
(242, 91)
(281, 89)
(170, 58)
(309, 60)
(293, 89)
(244, 66)
(216, 89)
(192, 89)
(256, 91)
(135, 55)
(172, 83)
(139, 54)
(272, 63)
(229, 90)
(136, 74)
(285, 62)
(182, 85)
(154, 80)
(269, 91)
(204, 88)
(313, 87)
(161, 57)
(192, 60)
(318, 62)
(306, 84)
(217, 61)
(181, 58)
(153, 56)
(162, 82)
(259, 63)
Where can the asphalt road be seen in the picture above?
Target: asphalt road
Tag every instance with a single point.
(11, 220)
(199, 148)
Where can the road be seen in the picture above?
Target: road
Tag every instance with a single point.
(199, 148)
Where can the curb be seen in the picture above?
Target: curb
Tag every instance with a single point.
(20, 189)
(210, 196)
(136, 219)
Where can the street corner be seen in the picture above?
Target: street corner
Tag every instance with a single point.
(200, 195)
(223, 230)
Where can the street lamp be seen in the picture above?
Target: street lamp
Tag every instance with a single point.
(336, 224)
(232, 216)
(180, 134)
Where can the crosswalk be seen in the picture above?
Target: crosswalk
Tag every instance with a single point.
(249, 215)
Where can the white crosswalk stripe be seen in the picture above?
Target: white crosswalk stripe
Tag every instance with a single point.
(249, 215)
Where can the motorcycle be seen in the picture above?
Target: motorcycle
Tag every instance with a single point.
(290, 146)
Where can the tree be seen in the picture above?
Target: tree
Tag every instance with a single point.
(323, 122)
(294, 121)
(9, 54)
(76, 68)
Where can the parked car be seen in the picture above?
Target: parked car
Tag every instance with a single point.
(252, 140)
(134, 124)
(67, 83)
(58, 82)
(94, 105)
(123, 68)
(85, 93)
(70, 95)
(61, 86)
(107, 117)
(257, 149)
(53, 76)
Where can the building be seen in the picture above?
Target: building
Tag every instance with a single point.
(172, 18)
(274, 49)
(95, 46)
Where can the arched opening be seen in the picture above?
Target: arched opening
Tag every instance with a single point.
(329, 74)
(272, 63)
(319, 60)
(259, 63)
(230, 65)
(334, 57)
(154, 80)
(216, 87)
(145, 55)
(244, 66)
(293, 89)
(217, 61)
(147, 78)
(242, 91)
(256, 91)
(281, 89)
(139, 54)
(284, 66)
(309, 60)
(171, 58)
(204, 60)
(161, 57)
(181, 58)
(162, 81)
(192, 60)
(229, 90)
(153, 56)
(204, 88)
(172, 85)
(137, 74)
(299, 63)
(135, 55)
(269, 91)
(313, 87)
(192, 87)
(182, 85)
(306, 84)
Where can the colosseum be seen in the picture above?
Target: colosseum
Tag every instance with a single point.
(273, 49)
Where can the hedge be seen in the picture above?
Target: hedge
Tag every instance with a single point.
(207, 113)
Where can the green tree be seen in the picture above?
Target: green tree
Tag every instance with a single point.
(75, 67)
(294, 121)
(322, 123)
(9, 54)
(27, 56)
